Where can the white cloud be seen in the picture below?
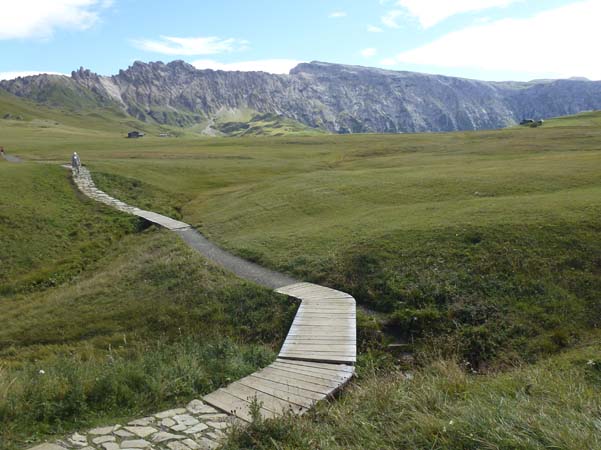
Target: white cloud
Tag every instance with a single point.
(337, 14)
(25, 73)
(368, 52)
(266, 65)
(39, 18)
(560, 42)
(390, 19)
(374, 29)
(431, 12)
(389, 62)
(190, 46)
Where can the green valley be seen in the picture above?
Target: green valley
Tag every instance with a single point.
(475, 258)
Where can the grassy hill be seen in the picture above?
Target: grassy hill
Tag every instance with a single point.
(483, 249)
(66, 113)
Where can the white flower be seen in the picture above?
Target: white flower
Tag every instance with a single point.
(42, 372)
(590, 362)
(451, 422)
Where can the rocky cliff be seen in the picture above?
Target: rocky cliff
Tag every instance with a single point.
(338, 98)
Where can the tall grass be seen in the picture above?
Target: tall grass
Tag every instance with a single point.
(67, 392)
(552, 405)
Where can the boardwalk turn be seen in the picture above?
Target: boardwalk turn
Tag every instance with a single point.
(315, 361)
(321, 341)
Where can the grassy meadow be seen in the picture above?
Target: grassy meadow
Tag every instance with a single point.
(104, 319)
(477, 254)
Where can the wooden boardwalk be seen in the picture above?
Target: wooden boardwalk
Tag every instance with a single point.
(319, 352)
(315, 360)
(324, 327)
(86, 185)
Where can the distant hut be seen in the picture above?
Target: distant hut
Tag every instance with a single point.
(135, 134)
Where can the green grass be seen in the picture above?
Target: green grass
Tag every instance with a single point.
(266, 125)
(482, 248)
(480, 243)
(554, 404)
(75, 391)
(123, 319)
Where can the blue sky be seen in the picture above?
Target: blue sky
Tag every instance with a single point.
(484, 39)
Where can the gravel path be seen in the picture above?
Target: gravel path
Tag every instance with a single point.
(244, 269)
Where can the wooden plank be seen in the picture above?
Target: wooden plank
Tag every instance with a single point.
(316, 336)
(225, 401)
(323, 306)
(332, 346)
(311, 290)
(320, 341)
(319, 357)
(288, 388)
(330, 316)
(287, 364)
(331, 384)
(321, 350)
(329, 303)
(328, 327)
(269, 402)
(326, 313)
(324, 298)
(164, 221)
(328, 348)
(342, 357)
(330, 310)
(299, 322)
(338, 377)
(285, 380)
(308, 332)
(324, 366)
(348, 337)
(276, 390)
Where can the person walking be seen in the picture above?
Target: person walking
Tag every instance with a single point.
(75, 163)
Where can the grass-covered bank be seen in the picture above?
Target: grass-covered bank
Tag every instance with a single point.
(48, 233)
(488, 295)
(554, 404)
(73, 391)
(103, 319)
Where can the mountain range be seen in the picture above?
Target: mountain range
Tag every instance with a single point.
(330, 97)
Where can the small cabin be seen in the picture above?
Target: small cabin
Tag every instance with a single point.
(135, 134)
(527, 122)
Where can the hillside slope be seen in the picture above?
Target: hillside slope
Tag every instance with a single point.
(338, 98)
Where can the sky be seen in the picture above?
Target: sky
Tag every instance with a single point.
(482, 39)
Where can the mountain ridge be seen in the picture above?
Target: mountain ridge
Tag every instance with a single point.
(327, 96)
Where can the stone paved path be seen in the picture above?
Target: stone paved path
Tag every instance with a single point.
(316, 359)
(197, 426)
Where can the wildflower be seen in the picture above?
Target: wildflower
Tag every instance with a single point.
(590, 362)
(42, 372)
(451, 422)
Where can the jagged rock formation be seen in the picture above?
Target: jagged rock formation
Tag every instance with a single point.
(338, 98)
